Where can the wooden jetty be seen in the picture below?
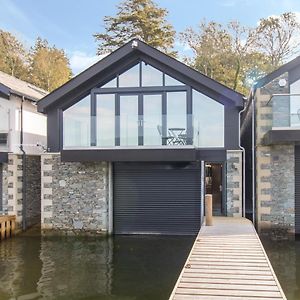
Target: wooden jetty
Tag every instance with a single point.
(7, 226)
(227, 262)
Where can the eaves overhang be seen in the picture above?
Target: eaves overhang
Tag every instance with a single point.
(136, 48)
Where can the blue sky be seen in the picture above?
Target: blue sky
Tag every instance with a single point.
(70, 24)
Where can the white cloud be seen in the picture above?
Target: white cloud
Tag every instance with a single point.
(80, 61)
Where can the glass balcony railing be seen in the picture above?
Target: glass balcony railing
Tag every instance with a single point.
(150, 130)
(285, 110)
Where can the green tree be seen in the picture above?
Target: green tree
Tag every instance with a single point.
(278, 37)
(13, 56)
(49, 66)
(226, 53)
(141, 19)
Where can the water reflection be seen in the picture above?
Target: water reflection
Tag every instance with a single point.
(285, 259)
(123, 267)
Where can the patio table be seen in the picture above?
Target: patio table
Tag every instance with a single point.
(179, 135)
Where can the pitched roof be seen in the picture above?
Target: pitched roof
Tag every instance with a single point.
(19, 87)
(136, 47)
(281, 70)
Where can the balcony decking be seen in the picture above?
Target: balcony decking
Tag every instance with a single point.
(227, 261)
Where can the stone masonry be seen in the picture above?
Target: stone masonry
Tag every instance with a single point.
(234, 183)
(12, 192)
(74, 196)
(33, 190)
(275, 178)
(12, 188)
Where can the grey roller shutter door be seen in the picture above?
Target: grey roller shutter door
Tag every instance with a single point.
(297, 189)
(153, 198)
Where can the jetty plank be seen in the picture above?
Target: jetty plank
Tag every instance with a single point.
(227, 261)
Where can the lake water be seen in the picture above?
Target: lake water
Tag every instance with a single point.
(115, 268)
(285, 259)
(121, 267)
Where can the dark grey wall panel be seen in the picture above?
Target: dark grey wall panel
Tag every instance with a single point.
(122, 155)
(155, 198)
(3, 157)
(297, 189)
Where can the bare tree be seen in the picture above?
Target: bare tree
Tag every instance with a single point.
(278, 37)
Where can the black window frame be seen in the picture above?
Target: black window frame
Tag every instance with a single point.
(140, 92)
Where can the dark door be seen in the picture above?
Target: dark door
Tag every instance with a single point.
(157, 198)
(214, 186)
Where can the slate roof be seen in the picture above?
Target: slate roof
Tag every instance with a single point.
(12, 85)
(86, 79)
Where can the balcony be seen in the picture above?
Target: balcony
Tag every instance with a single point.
(147, 131)
(285, 119)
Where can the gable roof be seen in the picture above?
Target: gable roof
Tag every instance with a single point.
(281, 70)
(12, 85)
(136, 47)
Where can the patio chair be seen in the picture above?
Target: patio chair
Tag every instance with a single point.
(165, 139)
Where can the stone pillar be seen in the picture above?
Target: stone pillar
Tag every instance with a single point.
(46, 191)
(234, 186)
(4, 187)
(14, 188)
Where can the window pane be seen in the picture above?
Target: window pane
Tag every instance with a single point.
(176, 118)
(111, 84)
(152, 120)
(106, 120)
(151, 76)
(76, 124)
(129, 120)
(130, 78)
(208, 121)
(172, 81)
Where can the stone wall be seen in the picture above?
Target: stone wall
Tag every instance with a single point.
(74, 195)
(275, 179)
(234, 185)
(4, 170)
(12, 188)
(33, 190)
(14, 177)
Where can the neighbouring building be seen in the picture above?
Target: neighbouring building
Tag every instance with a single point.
(271, 135)
(22, 139)
(134, 143)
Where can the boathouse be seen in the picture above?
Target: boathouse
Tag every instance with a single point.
(135, 142)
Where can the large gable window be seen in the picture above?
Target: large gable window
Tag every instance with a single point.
(208, 121)
(143, 106)
(76, 124)
(105, 120)
(142, 75)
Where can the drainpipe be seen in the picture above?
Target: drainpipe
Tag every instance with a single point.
(24, 169)
(244, 163)
(253, 161)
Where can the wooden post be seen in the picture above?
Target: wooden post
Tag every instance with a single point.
(7, 226)
(2, 228)
(13, 225)
(208, 210)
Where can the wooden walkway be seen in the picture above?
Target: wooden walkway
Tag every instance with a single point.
(227, 262)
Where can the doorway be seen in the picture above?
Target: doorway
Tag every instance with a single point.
(214, 186)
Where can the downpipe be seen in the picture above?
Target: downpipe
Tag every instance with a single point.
(244, 165)
(24, 183)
